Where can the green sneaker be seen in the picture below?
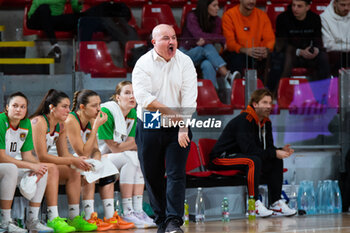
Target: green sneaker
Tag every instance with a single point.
(59, 225)
(81, 225)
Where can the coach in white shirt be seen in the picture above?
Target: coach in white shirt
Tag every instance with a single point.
(165, 82)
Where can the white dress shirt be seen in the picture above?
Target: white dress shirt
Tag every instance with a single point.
(172, 83)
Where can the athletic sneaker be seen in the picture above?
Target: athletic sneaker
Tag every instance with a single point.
(173, 226)
(230, 77)
(11, 227)
(55, 53)
(282, 209)
(60, 225)
(131, 217)
(119, 223)
(81, 224)
(144, 217)
(36, 226)
(261, 210)
(101, 225)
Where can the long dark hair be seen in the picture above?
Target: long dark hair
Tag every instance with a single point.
(13, 95)
(82, 97)
(53, 97)
(206, 22)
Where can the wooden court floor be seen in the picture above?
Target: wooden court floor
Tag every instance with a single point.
(316, 223)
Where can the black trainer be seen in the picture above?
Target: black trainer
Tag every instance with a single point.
(173, 226)
(161, 229)
(55, 53)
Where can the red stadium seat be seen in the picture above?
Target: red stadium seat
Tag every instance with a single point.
(185, 10)
(300, 72)
(194, 165)
(134, 3)
(318, 7)
(229, 6)
(40, 33)
(296, 95)
(238, 92)
(129, 45)
(208, 102)
(94, 2)
(95, 59)
(273, 10)
(155, 14)
(13, 3)
(205, 146)
(221, 2)
(172, 3)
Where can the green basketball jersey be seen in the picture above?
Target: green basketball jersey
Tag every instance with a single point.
(15, 141)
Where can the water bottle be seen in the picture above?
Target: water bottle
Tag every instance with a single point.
(117, 204)
(251, 208)
(225, 210)
(337, 198)
(329, 196)
(200, 207)
(293, 203)
(186, 214)
(320, 198)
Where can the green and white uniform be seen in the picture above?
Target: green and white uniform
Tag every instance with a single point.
(118, 128)
(108, 131)
(51, 138)
(17, 140)
(84, 132)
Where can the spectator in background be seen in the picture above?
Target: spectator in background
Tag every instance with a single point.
(249, 37)
(336, 34)
(202, 30)
(49, 16)
(298, 33)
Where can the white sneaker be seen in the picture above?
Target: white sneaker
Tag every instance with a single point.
(132, 218)
(261, 210)
(12, 227)
(230, 77)
(37, 226)
(282, 209)
(144, 217)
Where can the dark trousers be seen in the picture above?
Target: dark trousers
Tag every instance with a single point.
(319, 65)
(159, 153)
(43, 20)
(117, 28)
(240, 62)
(257, 171)
(338, 60)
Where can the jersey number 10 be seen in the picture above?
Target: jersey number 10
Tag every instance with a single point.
(13, 147)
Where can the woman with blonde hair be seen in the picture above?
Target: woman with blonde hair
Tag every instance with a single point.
(117, 139)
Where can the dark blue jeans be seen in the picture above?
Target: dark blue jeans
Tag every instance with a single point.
(159, 154)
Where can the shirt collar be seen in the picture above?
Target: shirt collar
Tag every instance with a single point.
(156, 56)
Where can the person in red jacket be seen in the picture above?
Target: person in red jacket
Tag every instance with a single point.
(247, 144)
(248, 33)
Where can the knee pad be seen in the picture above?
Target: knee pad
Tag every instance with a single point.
(106, 180)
